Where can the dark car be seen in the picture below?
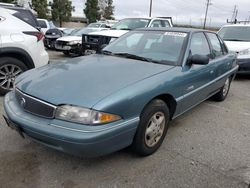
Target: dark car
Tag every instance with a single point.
(51, 36)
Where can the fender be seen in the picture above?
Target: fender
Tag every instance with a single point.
(19, 54)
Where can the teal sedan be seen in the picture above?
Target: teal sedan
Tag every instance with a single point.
(126, 96)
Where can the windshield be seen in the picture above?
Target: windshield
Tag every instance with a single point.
(82, 31)
(94, 25)
(155, 46)
(131, 23)
(235, 33)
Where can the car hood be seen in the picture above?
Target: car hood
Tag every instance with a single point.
(84, 81)
(237, 46)
(110, 33)
(70, 38)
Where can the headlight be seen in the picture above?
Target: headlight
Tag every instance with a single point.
(74, 42)
(83, 115)
(245, 52)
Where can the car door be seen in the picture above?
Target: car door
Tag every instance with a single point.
(196, 79)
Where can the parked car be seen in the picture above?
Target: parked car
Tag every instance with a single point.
(95, 41)
(237, 39)
(21, 45)
(98, 104)
(51, 36)
(45, 25)
(72, 44)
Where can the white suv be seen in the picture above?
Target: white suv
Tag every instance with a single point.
(21, 45)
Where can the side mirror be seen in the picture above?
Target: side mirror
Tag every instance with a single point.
(199, 59)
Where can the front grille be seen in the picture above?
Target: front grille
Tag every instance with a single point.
(61, 43)
(34, 105)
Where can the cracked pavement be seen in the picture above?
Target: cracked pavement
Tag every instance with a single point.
(206, 147)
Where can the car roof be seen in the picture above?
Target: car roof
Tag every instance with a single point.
(237, 25)
(173, 29)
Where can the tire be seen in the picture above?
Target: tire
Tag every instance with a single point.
(66, 53)
(10, 68)
(150, 135)
(222, 94)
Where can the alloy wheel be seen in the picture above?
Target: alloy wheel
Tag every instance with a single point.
(8, 74)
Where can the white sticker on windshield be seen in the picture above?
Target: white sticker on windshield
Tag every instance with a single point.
(176, 34)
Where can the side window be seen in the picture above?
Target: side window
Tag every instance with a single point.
(25, 16)
(199, 44)
(216, 45)
(156, 23)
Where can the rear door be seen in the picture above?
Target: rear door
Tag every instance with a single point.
(197, 78)
(220, 57)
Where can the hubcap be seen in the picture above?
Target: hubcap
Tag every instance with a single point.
(8, 75)
(226, 87)
(155, 129)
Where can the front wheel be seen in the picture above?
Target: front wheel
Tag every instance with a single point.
(10, 68)
(222, 94)
(152, 128)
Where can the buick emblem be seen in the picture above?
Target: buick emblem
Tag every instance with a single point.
(23, 102)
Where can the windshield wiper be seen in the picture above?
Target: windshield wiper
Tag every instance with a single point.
(106, 52)
(136, 57)
(234, 40)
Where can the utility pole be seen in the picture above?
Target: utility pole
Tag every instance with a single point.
(234, 11)
(205, 20)
(150, 10)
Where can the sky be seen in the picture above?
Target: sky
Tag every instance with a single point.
(182, 11)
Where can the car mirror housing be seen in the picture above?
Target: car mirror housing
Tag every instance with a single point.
(199, 59)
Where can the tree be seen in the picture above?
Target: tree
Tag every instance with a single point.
(102, 5)
(41, 7)
(109, 11)
(61, 10)
(92, 11)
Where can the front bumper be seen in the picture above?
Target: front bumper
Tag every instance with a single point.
(244, 66)
(76, 139)
(68, 48)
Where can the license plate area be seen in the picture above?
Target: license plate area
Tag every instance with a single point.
(13, 126)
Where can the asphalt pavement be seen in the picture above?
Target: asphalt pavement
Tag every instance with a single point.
(206, 147)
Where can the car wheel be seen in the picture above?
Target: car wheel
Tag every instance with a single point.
(10, 68)
(152, 128)
(66, 53)
(222, 94)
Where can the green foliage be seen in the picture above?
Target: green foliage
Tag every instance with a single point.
(92, 11)
(41, 7)
(109, 10)
(61, 10)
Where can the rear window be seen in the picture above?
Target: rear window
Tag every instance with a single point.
(25, 15)
(42, 23)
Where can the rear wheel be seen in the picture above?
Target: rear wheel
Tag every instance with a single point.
(10, 68)
(66, 53)
(222, 94)
(152, 128)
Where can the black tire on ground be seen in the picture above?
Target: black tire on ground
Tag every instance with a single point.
(66, 53)
(142, 140)
(9, 68)
(222, 94)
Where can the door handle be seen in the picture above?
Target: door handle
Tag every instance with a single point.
(211, 72)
